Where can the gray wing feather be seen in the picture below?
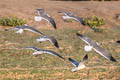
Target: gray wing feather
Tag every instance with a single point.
(51, 20)
(32, 48)
(53, 53)
(104, 53)
(34, 30)
(54, 41)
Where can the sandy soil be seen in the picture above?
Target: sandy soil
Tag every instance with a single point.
(26, 9)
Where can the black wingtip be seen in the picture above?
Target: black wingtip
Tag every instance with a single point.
(55, 26)
(56, 45)
(118, 41)
(79, 34)
(85, 57)
(62, 57)
(113, 59)
(70, 59)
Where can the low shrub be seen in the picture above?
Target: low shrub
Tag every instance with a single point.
(94, 22)
(11, 21)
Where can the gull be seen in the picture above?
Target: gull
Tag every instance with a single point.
(96, 47)
(42, 51)
(71, 16)
(78, 65)
(20, 29)
(46, 17)
(51, 39)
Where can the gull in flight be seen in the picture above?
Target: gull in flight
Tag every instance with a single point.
(51, 39)
(71, 16)
(96, 47)
(78, 65)
(46, 17)
(20, 29)
(42, 51)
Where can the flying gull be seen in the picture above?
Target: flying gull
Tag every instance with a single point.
(42, 51)
(20, 29)
(46, 17)
(48, 38)
(71, 16)
(96, 47)
(78, 65)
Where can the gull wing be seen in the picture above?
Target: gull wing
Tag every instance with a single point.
(53, 53)
(66, 13)
(103, 53)
(40, 11)
(14, 28)
(78, 19)
(75, 63)
(32, 48)
(85, 58)
(118, 41)
(54, 41)
(84, 38)
(50, 20)
(33, 30)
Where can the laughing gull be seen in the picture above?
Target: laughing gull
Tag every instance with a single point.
(20, 29)
(48, 38)
(42, 51)
(46, 17)
(78, 65)
(96, 47)
(71, 16)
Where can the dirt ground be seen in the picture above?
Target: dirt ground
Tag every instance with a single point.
(26, 9)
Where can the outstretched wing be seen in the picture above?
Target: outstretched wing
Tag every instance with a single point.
(53, 53)
(103, 53)
(14, 28)
(33, 30)
(50, 20)
(78, 19)
(65, 13)
(32, 48)
(54, 41)
(85, 58)
(75, 63)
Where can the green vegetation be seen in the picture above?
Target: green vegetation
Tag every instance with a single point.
(94, 22)
(17, 63)
(11, 21)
